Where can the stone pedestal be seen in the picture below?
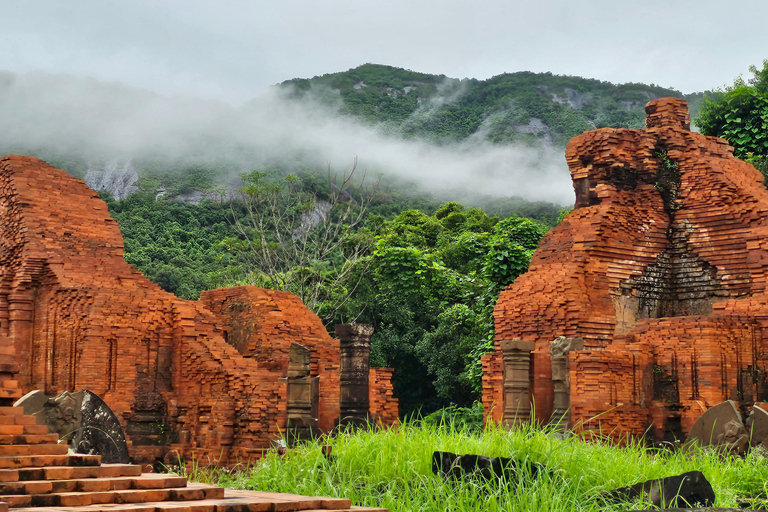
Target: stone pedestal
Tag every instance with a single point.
(517, 386)
(561, 408)
(301, 413)
(355, 345)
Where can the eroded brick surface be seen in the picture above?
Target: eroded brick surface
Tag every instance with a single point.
(77, 316)
(660, 268)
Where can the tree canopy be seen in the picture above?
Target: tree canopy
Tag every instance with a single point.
(739, 114)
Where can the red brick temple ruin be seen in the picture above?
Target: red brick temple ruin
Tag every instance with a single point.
(218, 379)
(648, 303)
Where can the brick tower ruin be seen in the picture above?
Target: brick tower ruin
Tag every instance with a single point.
(648, 303)
(207, 379)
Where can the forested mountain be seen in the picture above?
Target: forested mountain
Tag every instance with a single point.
(509, 108)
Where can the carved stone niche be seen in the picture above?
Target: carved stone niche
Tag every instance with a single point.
(559, 348)
(302, 393)
(517, 385)
(355, 345)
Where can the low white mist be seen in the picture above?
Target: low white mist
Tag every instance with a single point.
(104, 121)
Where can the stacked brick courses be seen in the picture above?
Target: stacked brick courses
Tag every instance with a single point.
(383, 406)
(660, 268)
(262, 324)
(76, 315)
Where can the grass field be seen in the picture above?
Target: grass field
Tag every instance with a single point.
(392, 468)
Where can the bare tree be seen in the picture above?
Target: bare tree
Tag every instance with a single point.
(296, 240)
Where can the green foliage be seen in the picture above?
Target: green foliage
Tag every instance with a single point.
(739, 114)
(430, 291)
(301, 242)
(176, 245)
(455, 418)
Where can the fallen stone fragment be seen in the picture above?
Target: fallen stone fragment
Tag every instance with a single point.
(757, 425)
(688, 489)
(452, 465)
(721, 427)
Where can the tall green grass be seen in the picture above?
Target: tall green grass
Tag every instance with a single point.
(392, 468)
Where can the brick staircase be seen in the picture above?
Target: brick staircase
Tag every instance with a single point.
(36, 472)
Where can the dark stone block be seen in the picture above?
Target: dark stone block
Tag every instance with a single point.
(720, 427)
(451, 465)
(688, 489)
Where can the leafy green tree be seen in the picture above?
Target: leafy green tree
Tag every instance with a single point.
(293, 239)
(739, 114)
(430, 291)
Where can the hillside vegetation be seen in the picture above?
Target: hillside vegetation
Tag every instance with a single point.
(534, 108)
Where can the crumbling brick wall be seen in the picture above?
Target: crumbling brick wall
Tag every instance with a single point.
(262, 324)
(383, 405)
(78, 316)
(664, 253)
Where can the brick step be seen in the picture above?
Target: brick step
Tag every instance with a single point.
(144, 481)
(70, 473)
(233, 501)
(18, 420)
(24, 429)
(34, 461)
(29, 439)
(192, 492)
(283, 501)
(10, 395)
(14, 450)
(9, 368)
(10, 410)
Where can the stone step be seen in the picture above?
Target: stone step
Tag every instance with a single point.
(193, 492)
(144, 481)
(70, 473)
(14, 450)
(29, 439)
(34, 461)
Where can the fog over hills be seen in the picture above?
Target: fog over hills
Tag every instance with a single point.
(500, 149)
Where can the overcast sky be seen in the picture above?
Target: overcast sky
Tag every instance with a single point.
(234, 49)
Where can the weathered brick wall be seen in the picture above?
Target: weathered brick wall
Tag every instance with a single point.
(493, 385)
(78, 316)
(383, 406)
(262, 324)
(664, 253)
